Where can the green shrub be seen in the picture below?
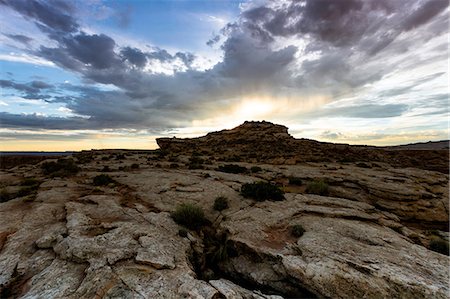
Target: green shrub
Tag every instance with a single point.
(318, 187)
(261, 191)
(196, 160)
(84, 157)
(220, 203)
(189, 215)
(102, 180)
(183, 233)
(363, 165)
(195, 166)
(295, 181)
(134, 166)
(61, 168)
(30, 182)
(232, 168)
(255, 169)
(5, 195)
(27, 190)
(120, 157)
(297, 230)
(438, 244)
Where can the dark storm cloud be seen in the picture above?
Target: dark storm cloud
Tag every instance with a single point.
(18, 135)
(95, 50)
(55, 15)
(31, 87)
(359, 111)
(34, 90)
(17, 86)
(424, 13)
(40, 85)
(9, 120)
(20, 38)
(134, 56)
(342, 38)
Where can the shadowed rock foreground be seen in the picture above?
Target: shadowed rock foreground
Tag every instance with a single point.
(374, 229)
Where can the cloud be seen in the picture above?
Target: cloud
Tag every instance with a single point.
(31, 90)
(20, 38)
(134, 56)
(53, 15)
(275, 49)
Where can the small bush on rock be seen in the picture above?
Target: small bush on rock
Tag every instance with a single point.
(30, 182)
(295, 181)
(318, 187)
(61, 168)
(255, 169)
(102, 180)
(221, 203)
(438, 244)
(189, 215)
(297, 230)
(183, 233)
(232, 168)
(261, 191)
(5, 195)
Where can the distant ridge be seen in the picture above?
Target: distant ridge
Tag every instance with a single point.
(271, 143)
(430, 145)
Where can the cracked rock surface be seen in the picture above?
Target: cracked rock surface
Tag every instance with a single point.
(364, 240)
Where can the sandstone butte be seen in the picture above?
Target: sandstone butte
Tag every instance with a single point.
(372, 234)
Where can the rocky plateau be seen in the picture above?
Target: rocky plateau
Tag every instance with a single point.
(376, 230)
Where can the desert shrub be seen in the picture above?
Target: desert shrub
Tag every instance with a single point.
(195, 166)
(173, 165)
(439, 245)
(261, 191)
(297, 230)
(232, 168)
(102, 180)
(105, 158)
(27, 190)
(346, 160)
(120, 157)
(218, 248)
(30, 182)
(5, 195)
(255, 169)
(189, 215)
(83, 158)
(220, 203)
(363, 165)
(134, 166)
(196, 160)
(295, 181)
(234, 158)
(106, 168)
(172, 159)
(318, 187)
(183, 233)
(62, 167)
(160, 153)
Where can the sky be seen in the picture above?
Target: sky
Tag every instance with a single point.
(93, 74)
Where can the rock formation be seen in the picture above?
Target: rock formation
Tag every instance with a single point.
(268, 143)
(370, 236)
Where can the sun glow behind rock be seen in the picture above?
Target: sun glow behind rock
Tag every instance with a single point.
(277, 109)
(253, 108)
